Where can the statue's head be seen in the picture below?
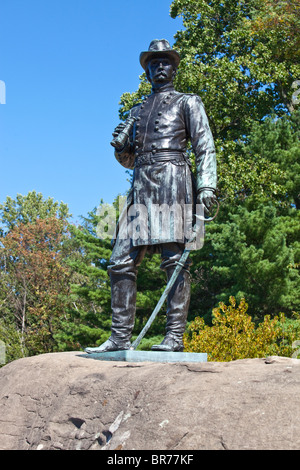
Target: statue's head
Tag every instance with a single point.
(160, 62)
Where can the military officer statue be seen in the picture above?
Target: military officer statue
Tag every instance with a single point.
(156, 149)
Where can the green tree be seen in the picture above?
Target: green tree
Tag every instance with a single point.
(278, 21)
(10, 338)
(230, 61)
(276, 141)
(252, 249)
(38, 281)
(255, 256)
(29, 208)
(34, 277)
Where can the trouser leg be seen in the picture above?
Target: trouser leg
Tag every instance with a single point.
(178, 299)
(178, 305)
(122, 269)
(123, 305)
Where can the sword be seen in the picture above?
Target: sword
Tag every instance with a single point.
(180, 265)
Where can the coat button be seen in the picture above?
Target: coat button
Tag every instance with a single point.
(156, 128)
(159, 113)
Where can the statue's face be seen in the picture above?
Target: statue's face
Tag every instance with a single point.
(160, 70)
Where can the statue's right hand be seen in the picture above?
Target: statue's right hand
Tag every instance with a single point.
(118, 129)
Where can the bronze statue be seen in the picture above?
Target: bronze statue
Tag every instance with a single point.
(153, 141)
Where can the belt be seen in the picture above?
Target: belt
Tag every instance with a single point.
(149, 158)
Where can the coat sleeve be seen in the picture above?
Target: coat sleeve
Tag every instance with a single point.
(126, 156)
(202, 143)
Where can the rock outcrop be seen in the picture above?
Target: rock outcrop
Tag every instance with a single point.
(67, 401)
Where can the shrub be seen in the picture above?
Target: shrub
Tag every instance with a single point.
(233, 335)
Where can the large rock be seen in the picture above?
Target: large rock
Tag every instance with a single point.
(66, 401)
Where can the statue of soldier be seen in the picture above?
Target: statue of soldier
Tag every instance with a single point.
(156, 149)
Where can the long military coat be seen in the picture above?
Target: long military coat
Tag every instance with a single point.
(166, 120)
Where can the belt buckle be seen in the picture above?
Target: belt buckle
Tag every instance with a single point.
(142, 160)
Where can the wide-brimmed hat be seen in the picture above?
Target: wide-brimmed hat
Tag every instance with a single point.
(158, 47)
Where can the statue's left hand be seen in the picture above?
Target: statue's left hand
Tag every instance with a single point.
(207, 198)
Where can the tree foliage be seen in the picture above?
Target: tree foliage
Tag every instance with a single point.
(29, 208)
(35, 278)
(279, 21)
(228, 58)
(234, 335)
(36, 281)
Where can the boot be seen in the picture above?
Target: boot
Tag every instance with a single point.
(108, 346)
(123, 304)
(177, 311)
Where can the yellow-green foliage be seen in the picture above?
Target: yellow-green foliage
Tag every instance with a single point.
(234, 335)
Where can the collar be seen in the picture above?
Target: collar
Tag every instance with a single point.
(165, 88)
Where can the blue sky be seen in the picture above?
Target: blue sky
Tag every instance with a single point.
(65, 64)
